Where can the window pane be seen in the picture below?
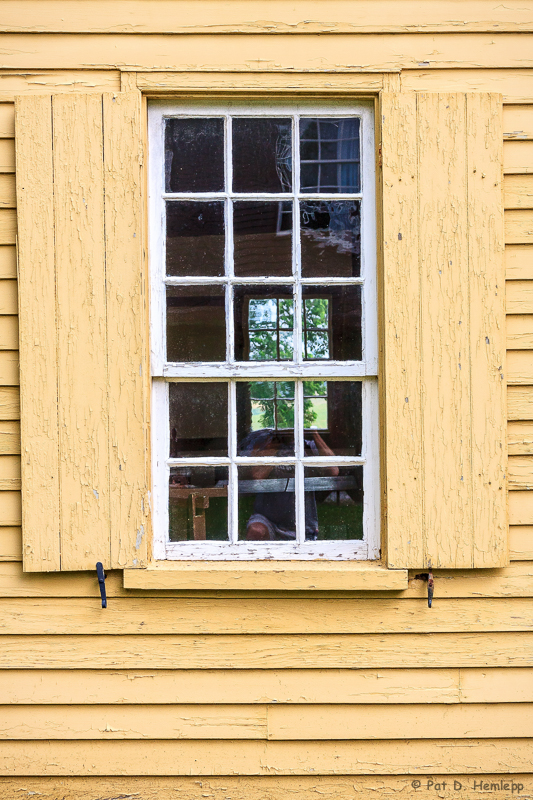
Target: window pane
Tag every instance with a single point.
(262, 155)
(262, 239)
(196, 323)
(198, 504)
(329, 155)
(331, 238)
(198, 419)
(263, 323)
(194, 155)
(265, 418)
(333, 419)
(267, 503)
(195, 238)
(333, 502)
(331, 323)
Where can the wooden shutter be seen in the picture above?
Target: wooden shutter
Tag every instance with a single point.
(83, 337)
(444, 330)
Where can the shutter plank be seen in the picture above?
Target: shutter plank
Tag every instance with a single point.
(38, 357)
(486, 277)
(126, 335)
(82, 346)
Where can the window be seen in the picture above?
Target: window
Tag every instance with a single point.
(264, 332)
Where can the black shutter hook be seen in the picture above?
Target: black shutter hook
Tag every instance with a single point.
(101, 581)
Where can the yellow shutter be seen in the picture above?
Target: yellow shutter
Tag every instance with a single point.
(82, 334)
(444, 330)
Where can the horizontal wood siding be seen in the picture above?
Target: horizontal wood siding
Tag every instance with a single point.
(257, 695)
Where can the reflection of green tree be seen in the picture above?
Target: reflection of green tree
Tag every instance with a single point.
(272, 396)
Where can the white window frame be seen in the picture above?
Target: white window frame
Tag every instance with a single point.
(163, 372)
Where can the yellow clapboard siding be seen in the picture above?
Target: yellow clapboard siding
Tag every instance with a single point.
(502, 685)
(239, 53)
(9, 402)
(521, 508)
(134, 722)
(518, 121)
(10, 544)
(520, 367)
(518, 156)
(521, 472)
(9, 333)
(7, 154)
(266, 616)
(520, 438)
(10, 508)
(9, 437)
(57, 80)
(9, 368)
(173, 82)
(10, 472)
(397, 722)
(262, 758)
(518, 191)
(8, 195)
(247, 787)
(273, 651)
(8, 223)
(8, 261)
(7, 121)
(520, 332)
(241, 686)
(514, 84)
(513, 581)
(519, 226)
(520, 402)
(518, 261)
(519, 297)
(521, 542)
(218, 17)
(8, 297)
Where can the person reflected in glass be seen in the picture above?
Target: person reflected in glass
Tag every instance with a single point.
(274, 513)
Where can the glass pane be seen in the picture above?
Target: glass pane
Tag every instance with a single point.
(194, 155)
(262, 155)
(198, 504)
(198, 419)
(196, 323)
(329, 155)
(262, 235)
(331, 323)
(266, 503)
(333, 502)
(333, 419)
(265, 418)
(331, 238)
(263, 323)
(195, 238)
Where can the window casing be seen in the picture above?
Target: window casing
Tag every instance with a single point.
(283, 353)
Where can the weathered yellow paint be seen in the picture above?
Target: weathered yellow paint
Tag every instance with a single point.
(519, 294)
(10, 544)
(518, 191)
(519, 262)
(521, 542)
(7, 121)
(7, 155)
(519, 367)
(7, 191)
(520, 332)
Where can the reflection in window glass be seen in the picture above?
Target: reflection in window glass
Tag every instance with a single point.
(267, 509)
(194, 155)
(196, 323)
(331, 322)
(265, 418)
(264, 323)
(262, 235)
(333, 419)
(198, 504)
(336, 509)
(198, 419)
(331, 238)
(262, 154)
(195, 238)
(329, 155)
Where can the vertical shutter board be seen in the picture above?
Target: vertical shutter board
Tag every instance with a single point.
(82, 341)
(401, 298)
(445, 352)
(37, 314)
(126, 316)
(487, 328)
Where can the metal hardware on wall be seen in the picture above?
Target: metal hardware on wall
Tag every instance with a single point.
(101, 582)
(428, 577)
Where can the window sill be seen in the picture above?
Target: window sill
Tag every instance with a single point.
(269, 575)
